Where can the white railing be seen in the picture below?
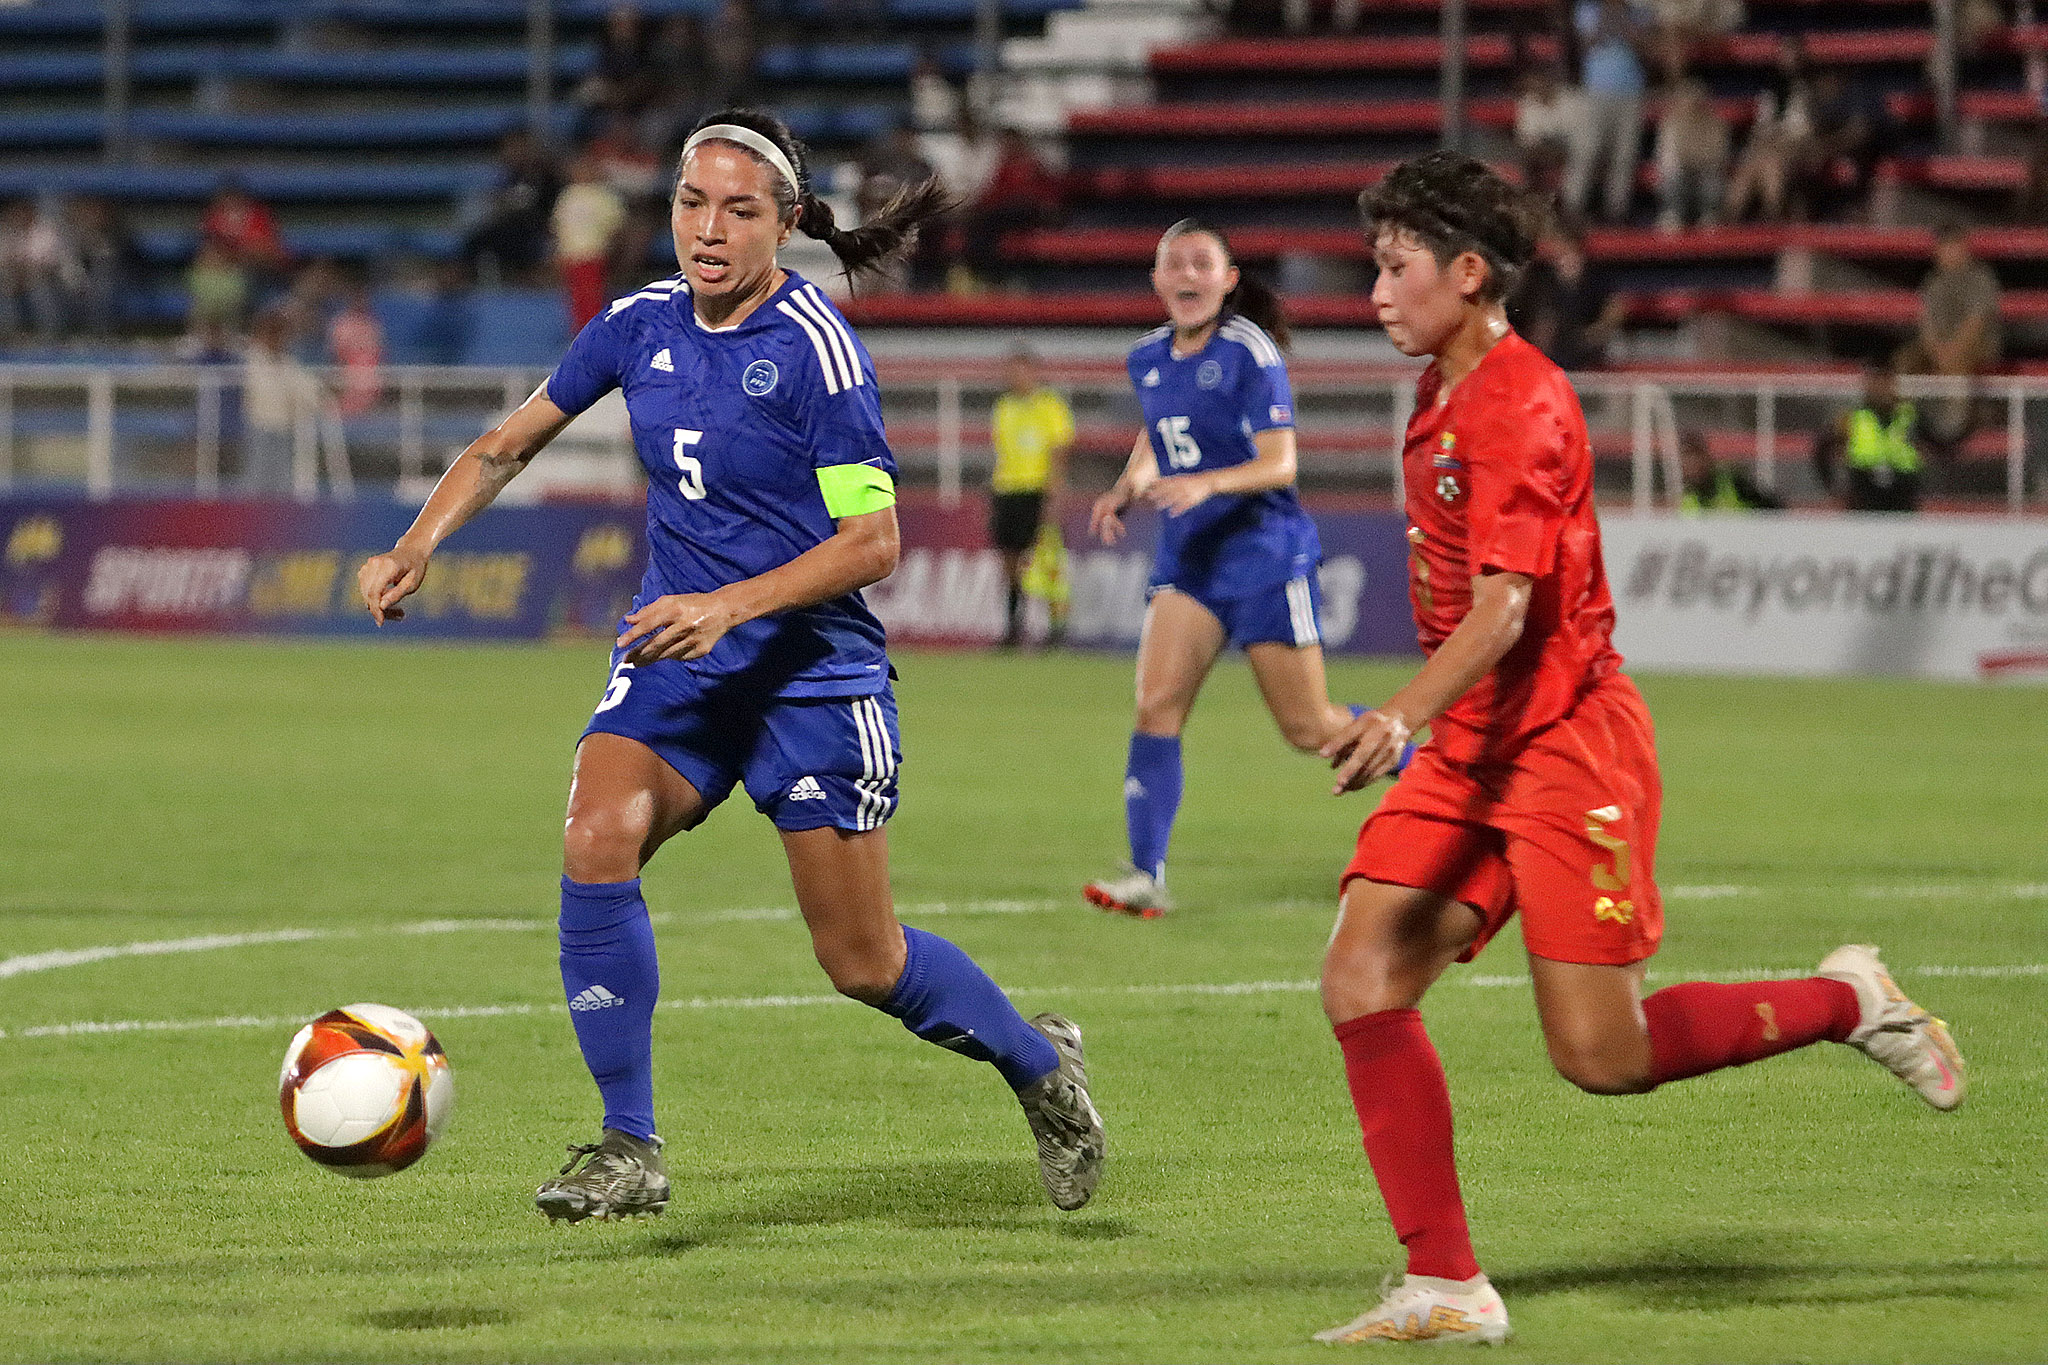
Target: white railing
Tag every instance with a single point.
(178, 428)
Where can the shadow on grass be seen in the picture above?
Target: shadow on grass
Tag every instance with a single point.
(437, 1315)
(1726, 1275)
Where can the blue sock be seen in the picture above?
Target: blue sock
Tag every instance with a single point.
(1152, 785)
(1407, 750)
(611, 977)
(944, 998)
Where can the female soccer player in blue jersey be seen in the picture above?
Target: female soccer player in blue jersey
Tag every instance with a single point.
(1237, 554)
(749, 657)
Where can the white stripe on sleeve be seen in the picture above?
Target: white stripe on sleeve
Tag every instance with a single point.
(825, 362)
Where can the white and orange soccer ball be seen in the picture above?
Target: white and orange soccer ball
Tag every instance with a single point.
(365, 1089)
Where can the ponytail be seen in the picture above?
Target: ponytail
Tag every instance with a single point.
(869, 247)
(1253, 299)
(882, 238)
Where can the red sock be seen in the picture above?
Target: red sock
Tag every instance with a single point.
(1404, 1110)
(1702, 1026)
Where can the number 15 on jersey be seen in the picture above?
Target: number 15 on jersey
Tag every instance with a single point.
(1181, 450)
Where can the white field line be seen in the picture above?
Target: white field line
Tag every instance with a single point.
(90, 1027)
(56, 959)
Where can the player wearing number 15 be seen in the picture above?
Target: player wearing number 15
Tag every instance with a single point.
(749, 658)
(1237, 556)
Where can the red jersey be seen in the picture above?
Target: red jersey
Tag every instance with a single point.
(1500, 477)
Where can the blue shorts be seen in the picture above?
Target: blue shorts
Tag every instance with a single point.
(808, 762)
(1288, 613)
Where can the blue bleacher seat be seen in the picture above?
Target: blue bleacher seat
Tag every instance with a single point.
(479, 124)
(516, 327)
(423, 67)
(83, 129)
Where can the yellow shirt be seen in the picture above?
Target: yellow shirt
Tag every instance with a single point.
(1025, 431)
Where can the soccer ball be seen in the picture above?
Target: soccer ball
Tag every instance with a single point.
(365, 1090)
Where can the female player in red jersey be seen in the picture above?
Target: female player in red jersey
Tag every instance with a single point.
(1538, 791)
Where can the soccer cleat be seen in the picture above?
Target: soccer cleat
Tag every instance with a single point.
(1896, 1033)
(622, 1177)
(1063, 1119)
(1134, 893)
(1424, 1308)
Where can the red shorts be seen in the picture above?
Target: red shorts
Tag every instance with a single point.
(1567, 834)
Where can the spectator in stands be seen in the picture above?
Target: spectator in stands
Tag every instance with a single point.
(1550, 119)
(731, 51)
(1852, 131)
(888, 166)
(1021, 193)
(934, 100)
(1692, 156)
(587, 219)
(245, 228)
(1781, 126)
(2030, 203)
(511, 241)
(965, 161)
(111, 264)
(1564, 307)
(1711, 486)
(355, 341)
(278, 393)
(1612, 32)
(621, 81)
(677, 63)
(1879, 442)
(307, 304)
(1958, 334)
(1688, 22)
(637, 173)
(219, 288)
(40, 273)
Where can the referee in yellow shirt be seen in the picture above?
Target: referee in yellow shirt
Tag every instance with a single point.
(1032, 430)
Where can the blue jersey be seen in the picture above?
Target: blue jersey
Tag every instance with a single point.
(732, 426)
(1201, 412)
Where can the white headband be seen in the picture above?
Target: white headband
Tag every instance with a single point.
(749, 139)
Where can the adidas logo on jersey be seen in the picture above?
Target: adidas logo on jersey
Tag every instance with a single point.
(807, 789)
(662, 362)
(595, 998)
(1151, 379)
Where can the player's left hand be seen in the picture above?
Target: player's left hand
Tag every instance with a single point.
(1369, 747)
(682, 626)
(1178, 493)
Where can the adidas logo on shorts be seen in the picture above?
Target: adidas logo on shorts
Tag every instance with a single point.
(807, 789)
(662, 362)
(595, 998)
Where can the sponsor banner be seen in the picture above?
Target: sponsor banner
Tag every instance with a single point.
(523, 572)
(948, 587)
(1938, 597)
(287, 568)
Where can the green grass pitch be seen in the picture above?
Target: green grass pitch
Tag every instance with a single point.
(385, 823)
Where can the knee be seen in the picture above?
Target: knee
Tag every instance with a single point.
(1160, 715)
(601, 844)
(859, 969)
(1361, 981)
(1599, 1070)
(1307, 734)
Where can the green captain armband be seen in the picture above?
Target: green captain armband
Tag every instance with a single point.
(851, 489)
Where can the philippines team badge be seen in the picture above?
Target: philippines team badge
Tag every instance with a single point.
(760, 378)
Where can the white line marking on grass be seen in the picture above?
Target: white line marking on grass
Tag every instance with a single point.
(1707, 893)
(76, 957)
(91, 1027)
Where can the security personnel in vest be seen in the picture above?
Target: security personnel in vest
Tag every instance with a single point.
(1713, 487)
(1031, 430)
(1876, 448)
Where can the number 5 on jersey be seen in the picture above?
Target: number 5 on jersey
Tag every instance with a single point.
(1181, 450)
(692, 483)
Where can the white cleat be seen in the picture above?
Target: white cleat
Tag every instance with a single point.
(1134, 893)
(1424, 1308)
(1896, 1033)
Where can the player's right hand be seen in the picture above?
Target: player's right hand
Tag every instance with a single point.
(386, 580)
(1105, 518)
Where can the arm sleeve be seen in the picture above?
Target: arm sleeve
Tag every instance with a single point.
(591, 369)
(1268, 397)
(845, 427)
(1515, 466)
